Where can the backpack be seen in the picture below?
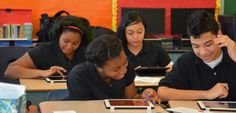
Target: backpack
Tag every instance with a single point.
(46, 23)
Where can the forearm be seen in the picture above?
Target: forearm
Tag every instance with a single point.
(16, 72)
(233, 52)
(165, 94)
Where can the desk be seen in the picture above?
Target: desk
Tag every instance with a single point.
(189, 104)
(89, 107)
(40, 85)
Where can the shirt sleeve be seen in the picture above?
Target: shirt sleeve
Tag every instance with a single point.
(178, 78)
(77, 85)
(130, 76)
(36, 54)
(162, 55)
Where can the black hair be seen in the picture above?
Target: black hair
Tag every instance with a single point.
(98, 31)
(103, 48)
(201, 22)
(79, 22)
(129, 18)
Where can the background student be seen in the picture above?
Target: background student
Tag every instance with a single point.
(132, 30)
(209, 71)
(68, 38)
(106, 74)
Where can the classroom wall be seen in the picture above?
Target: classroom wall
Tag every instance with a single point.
(99, 12)
(229, 7)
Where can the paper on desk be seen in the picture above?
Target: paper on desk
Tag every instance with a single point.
(186, 110)
(148, 79)
(64, 112)
(11, 91)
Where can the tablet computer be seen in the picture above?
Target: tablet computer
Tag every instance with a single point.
(151, 71)
(56, 79)
(217, 105)
(128, 104)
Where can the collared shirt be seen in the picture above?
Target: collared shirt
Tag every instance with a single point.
(151, 55)
(191, 73)
(85, 83)
(46, 55)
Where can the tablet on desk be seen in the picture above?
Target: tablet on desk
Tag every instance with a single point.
(128, 104)
(218, 105)
(56, 79)
(151, 71)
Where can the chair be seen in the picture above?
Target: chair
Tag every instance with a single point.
(57, 95)
(8, 55)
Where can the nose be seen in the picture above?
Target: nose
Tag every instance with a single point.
(202, 51)
(123, 71)
(70, 46)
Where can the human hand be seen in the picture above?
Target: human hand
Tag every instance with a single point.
(151, 95)
(220, 90)
(225, 41)
(53, 70)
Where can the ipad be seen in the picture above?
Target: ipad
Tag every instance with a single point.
(151, 71)
(128, 104)
(56, 79)
(218, 105)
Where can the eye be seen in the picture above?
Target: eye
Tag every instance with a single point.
(208, 44)
(66, 41)
(76, 43)
(195, 46)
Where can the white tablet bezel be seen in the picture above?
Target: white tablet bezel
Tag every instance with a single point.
(202, 106)
(108, 105)
(54, 81)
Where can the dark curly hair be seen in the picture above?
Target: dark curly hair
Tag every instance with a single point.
(103, 48)
(60, 26)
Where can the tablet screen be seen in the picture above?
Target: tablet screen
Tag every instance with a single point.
(218, 105)
(151, 71)
(128, 103)
(57, 78)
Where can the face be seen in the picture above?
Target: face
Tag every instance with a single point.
(135, 34)
(205, 47)
(69, 42)
(114, 68)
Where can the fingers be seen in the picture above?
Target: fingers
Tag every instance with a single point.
(58, 69)
(223, 41)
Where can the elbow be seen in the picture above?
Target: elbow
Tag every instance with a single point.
(9, 73)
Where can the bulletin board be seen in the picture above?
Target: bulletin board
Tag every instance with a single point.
(98, 12)
(166, 4)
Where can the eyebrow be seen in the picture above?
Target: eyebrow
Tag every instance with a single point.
(204, 43)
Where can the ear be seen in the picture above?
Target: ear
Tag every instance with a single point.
(99, 69)
(219, 32)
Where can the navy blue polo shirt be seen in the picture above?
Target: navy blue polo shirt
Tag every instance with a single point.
(46, 55)
(151, 55)
(191, 73)
(85, 83)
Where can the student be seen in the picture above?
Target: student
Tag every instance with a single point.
(98, 31)
(106, 74)
(68, 38)
(207, 72)
(132, 30)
